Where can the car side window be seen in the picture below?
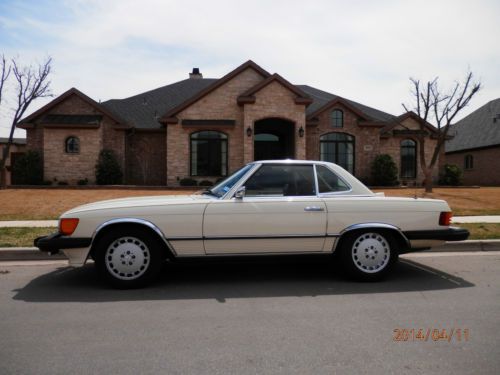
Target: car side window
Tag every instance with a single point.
(329, 182)
(281, 180)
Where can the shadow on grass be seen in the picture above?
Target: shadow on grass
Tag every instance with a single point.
(223, 280)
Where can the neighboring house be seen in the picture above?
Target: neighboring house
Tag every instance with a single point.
(17, 148)
(475, 146)
(206, 129)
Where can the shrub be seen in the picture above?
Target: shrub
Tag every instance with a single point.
(452, 175)
(62, 183)
(107, 169)
(384, 171)
(188, 182)
(82, 182)
(206, 183)
(28, 169)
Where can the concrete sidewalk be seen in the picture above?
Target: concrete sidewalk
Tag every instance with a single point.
(54, 223)
(32, 253)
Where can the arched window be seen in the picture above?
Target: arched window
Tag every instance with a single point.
(72, 145)
(469, 162)
(338, 148)
(208, 153)
(408, 159)
(337, 118)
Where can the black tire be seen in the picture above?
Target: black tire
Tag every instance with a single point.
(368, 255)
(129, 257)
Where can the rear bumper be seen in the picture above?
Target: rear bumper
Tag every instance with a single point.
(56, 241)
(448, 234)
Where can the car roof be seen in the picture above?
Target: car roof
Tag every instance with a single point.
(290, 161)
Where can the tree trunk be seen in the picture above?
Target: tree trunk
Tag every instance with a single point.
(428, 180)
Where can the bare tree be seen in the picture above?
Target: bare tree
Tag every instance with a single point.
(431, 104)
(31, 83)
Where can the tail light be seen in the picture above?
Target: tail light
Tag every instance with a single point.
(445, 218)
(68, 226)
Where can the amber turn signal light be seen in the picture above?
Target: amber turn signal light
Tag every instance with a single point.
(445, 218)
(68, 226)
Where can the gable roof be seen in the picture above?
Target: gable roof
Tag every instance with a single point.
(249, 64)
(64, 96)
(144, 110)
(410, 114)
(478, 129)
(322, 100)
(249, 95)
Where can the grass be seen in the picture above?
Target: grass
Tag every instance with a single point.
(23, 237)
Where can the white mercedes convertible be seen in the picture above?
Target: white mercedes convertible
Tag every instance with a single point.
(278, 207)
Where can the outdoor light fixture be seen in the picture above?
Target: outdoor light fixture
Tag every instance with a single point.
(249, 131)
(301, 132)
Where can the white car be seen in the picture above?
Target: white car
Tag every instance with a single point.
(266, 207)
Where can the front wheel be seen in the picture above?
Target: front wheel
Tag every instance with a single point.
(368, 255)
(128, 257)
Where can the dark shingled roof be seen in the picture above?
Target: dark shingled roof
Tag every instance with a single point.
(481, 128)
(322, 97)
(143, 111)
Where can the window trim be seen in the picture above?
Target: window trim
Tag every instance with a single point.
(208, 139)
(468, 157)
(415, 162)
(353, 149)
(332, 122)
(66, 145)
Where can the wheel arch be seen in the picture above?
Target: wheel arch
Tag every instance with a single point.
(112, 224)
(399, 237)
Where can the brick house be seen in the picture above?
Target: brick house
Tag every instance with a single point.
(475, 146)
(17, 148)
(205, 128)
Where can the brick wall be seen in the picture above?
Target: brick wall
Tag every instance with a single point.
(219, 104)
(146, 158)
(486, 169)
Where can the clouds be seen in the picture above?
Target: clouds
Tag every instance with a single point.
(360, 49)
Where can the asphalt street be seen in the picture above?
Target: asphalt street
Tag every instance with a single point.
(437, 313)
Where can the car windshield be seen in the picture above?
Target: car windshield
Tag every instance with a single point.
(224, 186)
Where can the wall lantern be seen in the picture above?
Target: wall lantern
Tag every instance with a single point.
(301, 132)
(249, 131)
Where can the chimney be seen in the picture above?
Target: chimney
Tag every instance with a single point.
(195, 74)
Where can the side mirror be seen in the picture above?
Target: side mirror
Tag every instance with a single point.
(240, 193)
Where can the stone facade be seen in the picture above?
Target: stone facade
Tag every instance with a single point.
(483, 161)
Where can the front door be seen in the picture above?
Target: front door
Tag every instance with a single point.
(280, 213)
(273, 139)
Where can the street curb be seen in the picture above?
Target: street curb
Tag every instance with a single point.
(32, 253)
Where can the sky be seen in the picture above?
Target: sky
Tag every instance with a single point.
(361, 50)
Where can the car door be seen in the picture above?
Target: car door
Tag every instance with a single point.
(280, 213)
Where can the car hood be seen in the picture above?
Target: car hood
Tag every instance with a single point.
(149, 201)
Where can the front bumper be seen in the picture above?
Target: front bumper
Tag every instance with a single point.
(448, 234)
(56, 241)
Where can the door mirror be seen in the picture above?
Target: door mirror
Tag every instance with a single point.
(240, 193)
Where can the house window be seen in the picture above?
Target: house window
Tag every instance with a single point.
(408, 159)
(469, 162)
(72, 145)
(338, 148)
(208, 154)
(337, 118)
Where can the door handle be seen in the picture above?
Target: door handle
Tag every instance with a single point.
(314, 208)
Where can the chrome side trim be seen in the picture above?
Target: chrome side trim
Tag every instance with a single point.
(372, 226)
(132, 220)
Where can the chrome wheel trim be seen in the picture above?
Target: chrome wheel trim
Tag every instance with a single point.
(371, 252)
(127, 258)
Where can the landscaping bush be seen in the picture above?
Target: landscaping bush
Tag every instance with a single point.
(62, 183)
(188, 182)
(28, 169)
(206, 183)
(107, 169)
(83, 182)
(384, 171)
(452, 175)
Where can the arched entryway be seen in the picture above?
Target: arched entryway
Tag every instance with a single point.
(274, 139)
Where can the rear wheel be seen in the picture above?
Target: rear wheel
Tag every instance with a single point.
(129, 257)
(368, 255)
